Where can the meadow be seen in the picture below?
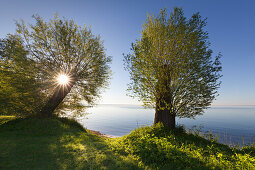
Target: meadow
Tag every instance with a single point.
(59, 143)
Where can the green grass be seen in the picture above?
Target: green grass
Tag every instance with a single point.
(55, 144)
(159, 148)
(32, 143)
(4, 119)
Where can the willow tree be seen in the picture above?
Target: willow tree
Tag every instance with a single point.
(172, 68)
(70, 60)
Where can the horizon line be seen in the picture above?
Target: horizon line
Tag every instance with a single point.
(141, 104)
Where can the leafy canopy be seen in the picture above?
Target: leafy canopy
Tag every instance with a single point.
(18, 82)
(61, 46)
(172, 66)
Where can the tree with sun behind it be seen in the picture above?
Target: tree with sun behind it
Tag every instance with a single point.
(71, 63)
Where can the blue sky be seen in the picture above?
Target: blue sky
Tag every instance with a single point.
(230, 25)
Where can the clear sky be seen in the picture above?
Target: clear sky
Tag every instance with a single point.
(231, 26)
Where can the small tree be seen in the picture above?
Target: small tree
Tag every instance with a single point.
(18, 83)
(62, 47)
(171, 67)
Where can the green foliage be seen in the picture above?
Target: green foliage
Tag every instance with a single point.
(19, 94)
(171, 65)
(60, 46)
(159, 148)
(32, 143)
(249, 149)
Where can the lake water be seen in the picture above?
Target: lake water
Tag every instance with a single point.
(234, 125)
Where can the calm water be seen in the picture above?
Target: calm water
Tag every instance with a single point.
(234, 125)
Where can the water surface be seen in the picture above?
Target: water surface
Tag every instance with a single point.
(234, 125)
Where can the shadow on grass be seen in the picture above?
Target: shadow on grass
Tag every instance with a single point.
(52, 144)
(155, 156)
(64, 144)
(159, 148)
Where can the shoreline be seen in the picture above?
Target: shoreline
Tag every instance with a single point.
(101, 134)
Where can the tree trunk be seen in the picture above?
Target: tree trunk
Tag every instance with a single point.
(164, 116)
(58, 96)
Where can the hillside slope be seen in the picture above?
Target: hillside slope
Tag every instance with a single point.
(55, 144)
(63, 144)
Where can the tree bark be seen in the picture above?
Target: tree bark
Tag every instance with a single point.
(58, 96)
(164, 116)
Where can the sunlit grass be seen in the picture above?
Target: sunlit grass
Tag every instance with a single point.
(156, 147)
(64, 144)
(4, 119)
(55, 144)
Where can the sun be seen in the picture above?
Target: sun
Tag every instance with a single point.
(63, 79)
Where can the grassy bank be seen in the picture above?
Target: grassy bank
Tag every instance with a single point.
(64, 144)
(55, 144)
(156, 147)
